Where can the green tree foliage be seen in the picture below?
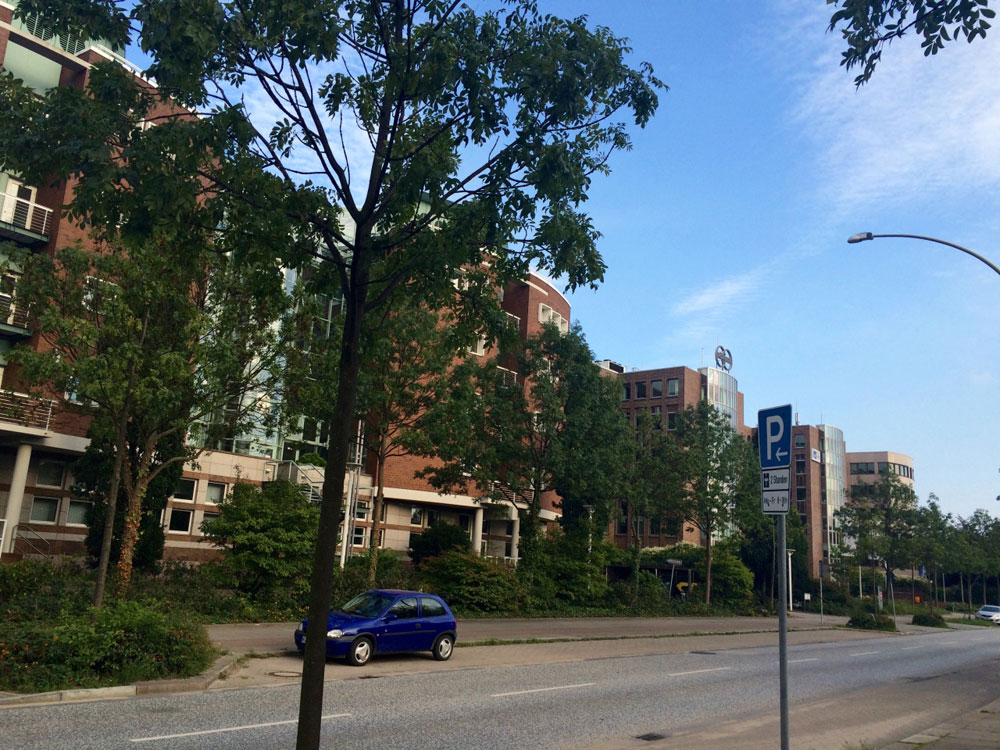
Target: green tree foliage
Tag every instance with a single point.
(479, 135)
(154, 336)
(868, 26)
(706, 474)
(92, 472)
(558, 432)
(437, 538)
(268, 535)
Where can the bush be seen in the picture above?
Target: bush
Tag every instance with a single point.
(732, 581)
(439, 537)
(929, 620)
(868, 621)
(473, 584)
(119, 644)
(37, 590)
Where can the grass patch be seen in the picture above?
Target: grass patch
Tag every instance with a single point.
(971, 621)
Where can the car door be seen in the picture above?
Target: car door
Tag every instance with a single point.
(435, 620)
(402, 627)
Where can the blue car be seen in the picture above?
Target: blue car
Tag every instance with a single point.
(387, 621)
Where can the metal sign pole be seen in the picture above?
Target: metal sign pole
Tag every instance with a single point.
(782, 638)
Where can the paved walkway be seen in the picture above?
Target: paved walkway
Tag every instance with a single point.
(976, 729)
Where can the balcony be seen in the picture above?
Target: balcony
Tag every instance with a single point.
(13, 318)
(24, 221)
(24, 411)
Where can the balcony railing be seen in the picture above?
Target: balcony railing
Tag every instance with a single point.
(24, 214)
(11, 313)
(27, 411)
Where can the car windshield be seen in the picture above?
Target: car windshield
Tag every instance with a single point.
(368, 604)
(990, 608)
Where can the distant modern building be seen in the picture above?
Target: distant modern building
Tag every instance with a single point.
(819, 487)
(865, 467)
(661, 394)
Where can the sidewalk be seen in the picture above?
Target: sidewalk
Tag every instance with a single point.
(976, 729)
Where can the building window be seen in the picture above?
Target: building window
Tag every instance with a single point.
(416, 516)
(800, 493)
(463, 521)
(622, 526)
(44, 509)
(655, 388)
(863, 468)
(508, 549)
(479, 348)
(413, 536)
(656, 412)
(800, 441)
(76, 515)
(671, 420)
(180, 521)
(800, 466)
(215, 493)
(640, 390)
(360, 537)
(185, 489)
(626, 391)
(209, 517)
(673, 386)
(50, 474)
(361, 511)
(654, 526)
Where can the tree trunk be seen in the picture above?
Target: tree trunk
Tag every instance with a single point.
(377, 511)
(109, 515)
(133, 516)
(321, 590)
(708, 567)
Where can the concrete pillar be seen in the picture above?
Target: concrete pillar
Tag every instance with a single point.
(477, 532)
(515, 536)
(15, 498)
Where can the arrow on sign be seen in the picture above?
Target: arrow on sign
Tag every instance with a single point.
(780, 454)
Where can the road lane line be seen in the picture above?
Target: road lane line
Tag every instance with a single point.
(864, 653)
(544, 690)
(228, 729)
(910, 648)
(698, 671)
(947, 643)
(796, 661)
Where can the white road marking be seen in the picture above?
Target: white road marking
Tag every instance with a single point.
(864, 653)
(543, 690)
(796, 661)
(697, 671)
(228, 729)
(910, 648)
(948, 643)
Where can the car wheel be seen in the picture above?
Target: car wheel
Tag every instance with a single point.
(443, 647)
(360, 652)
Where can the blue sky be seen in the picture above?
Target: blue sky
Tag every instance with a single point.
(727, 224)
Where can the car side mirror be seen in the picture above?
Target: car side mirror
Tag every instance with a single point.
(388, 616)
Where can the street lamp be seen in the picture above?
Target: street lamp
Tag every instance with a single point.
(863, 236)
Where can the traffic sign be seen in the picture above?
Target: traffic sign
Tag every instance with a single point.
(774, 431)
(775, 491)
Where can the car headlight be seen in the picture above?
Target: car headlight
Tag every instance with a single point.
(335, 633)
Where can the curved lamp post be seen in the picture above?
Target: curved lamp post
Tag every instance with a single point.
(862, 236)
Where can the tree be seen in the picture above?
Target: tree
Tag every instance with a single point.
(409, 139)
(268, 534)
(930, 542)
(707, 474)
(880, 518)
(151, 341)
(551, 425)
(406, 355)
(870, 25)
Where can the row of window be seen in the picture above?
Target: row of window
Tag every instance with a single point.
(187, 488)
(46, 510)
(868, 467)
(655, 389)
(656, 412)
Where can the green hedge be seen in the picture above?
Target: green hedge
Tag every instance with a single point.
(868, 621)
(929, 619)
(119, 644)
(473, 584)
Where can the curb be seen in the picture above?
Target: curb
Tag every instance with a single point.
(146, 687)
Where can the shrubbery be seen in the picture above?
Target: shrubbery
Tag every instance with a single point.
(439, 537)
(929, 620)
(869, 621)
(116, 645)
(470, 583)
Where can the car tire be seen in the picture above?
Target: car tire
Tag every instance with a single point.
(443, 647)
(360, 652)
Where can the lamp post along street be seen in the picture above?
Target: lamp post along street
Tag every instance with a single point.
(865, 236)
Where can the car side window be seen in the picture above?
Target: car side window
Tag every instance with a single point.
(431, 607)
(404, 608)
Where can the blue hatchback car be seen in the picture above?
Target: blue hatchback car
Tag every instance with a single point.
(386, 621)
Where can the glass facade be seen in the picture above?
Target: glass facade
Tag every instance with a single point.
(833, 481)
(720, 391)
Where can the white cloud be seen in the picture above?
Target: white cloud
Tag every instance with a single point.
(922, 126)
(703, 312)
(980, 379)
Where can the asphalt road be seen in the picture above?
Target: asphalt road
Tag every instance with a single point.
(602, 702)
